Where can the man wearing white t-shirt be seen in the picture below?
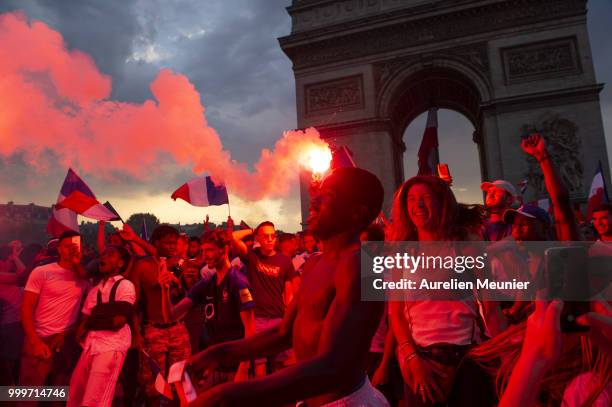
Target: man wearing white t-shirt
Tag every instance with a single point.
(51, 302)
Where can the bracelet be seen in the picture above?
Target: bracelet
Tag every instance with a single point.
(405, 352)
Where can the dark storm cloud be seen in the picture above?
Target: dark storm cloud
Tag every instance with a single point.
(228, 50)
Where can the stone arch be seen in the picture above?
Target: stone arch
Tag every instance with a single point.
(365, 69)
(462, 74)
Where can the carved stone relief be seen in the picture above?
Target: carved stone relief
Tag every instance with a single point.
(336, 95)
(541, 60)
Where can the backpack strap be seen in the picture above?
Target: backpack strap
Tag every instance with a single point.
(113, 291)
(111, 297)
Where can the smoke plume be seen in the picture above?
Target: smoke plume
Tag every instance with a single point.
(55, 99)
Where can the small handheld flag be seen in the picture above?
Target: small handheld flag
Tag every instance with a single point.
(202, 191)
(161, 385)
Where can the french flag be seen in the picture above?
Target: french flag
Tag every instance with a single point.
(598, 194)
(80, 199)
(202, 191)
(428, 151)
(62, 220)
(160, 384)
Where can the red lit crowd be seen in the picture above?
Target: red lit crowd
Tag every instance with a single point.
(269, 319)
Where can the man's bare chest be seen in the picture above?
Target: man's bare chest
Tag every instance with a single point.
(317, 291)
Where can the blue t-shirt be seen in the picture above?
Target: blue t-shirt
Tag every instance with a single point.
(222, 303)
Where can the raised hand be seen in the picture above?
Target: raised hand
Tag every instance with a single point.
(535, 146)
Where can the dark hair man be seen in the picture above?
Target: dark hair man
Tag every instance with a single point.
(272, 276)
(328, 325)
(166, 339)
(105, 332)
(500, 195)
(602, 220)
(51, 301)
(226, 301)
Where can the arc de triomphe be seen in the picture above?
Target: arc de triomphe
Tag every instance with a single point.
(364, 69)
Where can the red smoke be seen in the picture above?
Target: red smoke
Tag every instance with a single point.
(55, 99)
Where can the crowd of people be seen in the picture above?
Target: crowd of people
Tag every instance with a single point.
(277, 319)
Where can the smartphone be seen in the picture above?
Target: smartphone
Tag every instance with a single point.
(444, 172)
(567, 278)
(76, 240)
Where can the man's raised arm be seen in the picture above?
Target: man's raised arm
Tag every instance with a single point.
(565, 219)
(345, 338)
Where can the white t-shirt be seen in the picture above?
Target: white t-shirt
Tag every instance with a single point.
(60, 292)
(108, 341)
(450, 322)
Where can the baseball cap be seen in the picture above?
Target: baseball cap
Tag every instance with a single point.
(530, 211)
(500, 183)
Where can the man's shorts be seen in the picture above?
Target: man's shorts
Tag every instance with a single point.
(365, 396)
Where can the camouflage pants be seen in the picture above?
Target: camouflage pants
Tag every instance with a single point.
(166, 346)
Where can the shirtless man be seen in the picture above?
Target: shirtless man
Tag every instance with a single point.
(166, 339)
(328, 325)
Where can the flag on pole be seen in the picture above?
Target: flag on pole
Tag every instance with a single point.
(598, 193)
(144, 235)
(161, 385)
(428, 151)
(342, 157)
(202, 191)
(110, 208)
(79, 198)
(63, 220)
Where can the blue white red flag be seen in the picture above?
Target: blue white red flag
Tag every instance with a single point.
(161, 385)
(79, 198)
(202, 191)
(428, 151)
(598, 194)
(62, 220)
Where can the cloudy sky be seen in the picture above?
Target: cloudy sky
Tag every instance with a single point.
(228, 49)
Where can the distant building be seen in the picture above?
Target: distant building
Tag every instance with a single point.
(27, 223)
